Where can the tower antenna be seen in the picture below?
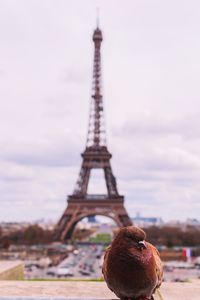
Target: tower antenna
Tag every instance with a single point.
(97, 17)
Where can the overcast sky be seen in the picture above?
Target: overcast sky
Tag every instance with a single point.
(151, 73)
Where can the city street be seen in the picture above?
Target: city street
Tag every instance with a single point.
(83, 262)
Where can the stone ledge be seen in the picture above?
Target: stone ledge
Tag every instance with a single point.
(95, 290)
(11, 270)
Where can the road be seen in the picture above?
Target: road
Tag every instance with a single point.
(84, 262)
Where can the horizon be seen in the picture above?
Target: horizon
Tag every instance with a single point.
(102, 219)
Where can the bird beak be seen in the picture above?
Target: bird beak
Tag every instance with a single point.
(142, 244)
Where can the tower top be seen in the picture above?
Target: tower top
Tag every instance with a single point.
(96, 136)
(97, 35)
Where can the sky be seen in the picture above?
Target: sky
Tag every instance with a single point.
(150, 73)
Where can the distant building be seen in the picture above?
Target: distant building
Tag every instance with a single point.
(9, 227)
(147, 221)
(45, 224)
(183, 224)
(105, 228)
(193, 222)
(91, 219)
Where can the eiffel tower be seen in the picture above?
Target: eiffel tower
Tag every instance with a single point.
(96, 156)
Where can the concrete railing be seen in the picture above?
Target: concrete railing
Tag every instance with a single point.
(94, 290)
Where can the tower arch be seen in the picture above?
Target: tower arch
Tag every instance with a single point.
(70, 231)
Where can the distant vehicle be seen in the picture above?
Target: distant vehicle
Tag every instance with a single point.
(69, 275)
(85, 273)
(91, 269)
(29, 269)
(63, 271)
(32, 265)
(169, 268)
(51, 273)
(178, 280)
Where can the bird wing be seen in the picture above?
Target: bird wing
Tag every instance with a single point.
(158, 265)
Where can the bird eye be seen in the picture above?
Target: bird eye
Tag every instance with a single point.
(142, 244)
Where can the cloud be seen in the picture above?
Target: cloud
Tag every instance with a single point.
(150, 72)
(148, 125)
(48, 155)
(35, 191)
(74, 74)
(10, 171)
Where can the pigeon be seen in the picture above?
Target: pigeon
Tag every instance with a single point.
(132, 267)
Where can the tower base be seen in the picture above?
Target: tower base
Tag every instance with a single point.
(91, 205)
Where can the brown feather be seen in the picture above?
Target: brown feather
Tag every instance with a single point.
(132, 269)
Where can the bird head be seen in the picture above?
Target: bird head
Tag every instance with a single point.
(135, 236)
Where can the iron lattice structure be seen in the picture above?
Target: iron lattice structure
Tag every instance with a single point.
(96, 156)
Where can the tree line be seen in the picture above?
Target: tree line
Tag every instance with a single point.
(171, 236)
(32, 234)
(167, 235)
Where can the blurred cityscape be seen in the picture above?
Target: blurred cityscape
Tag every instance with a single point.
(74, 247)
(82, 256)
